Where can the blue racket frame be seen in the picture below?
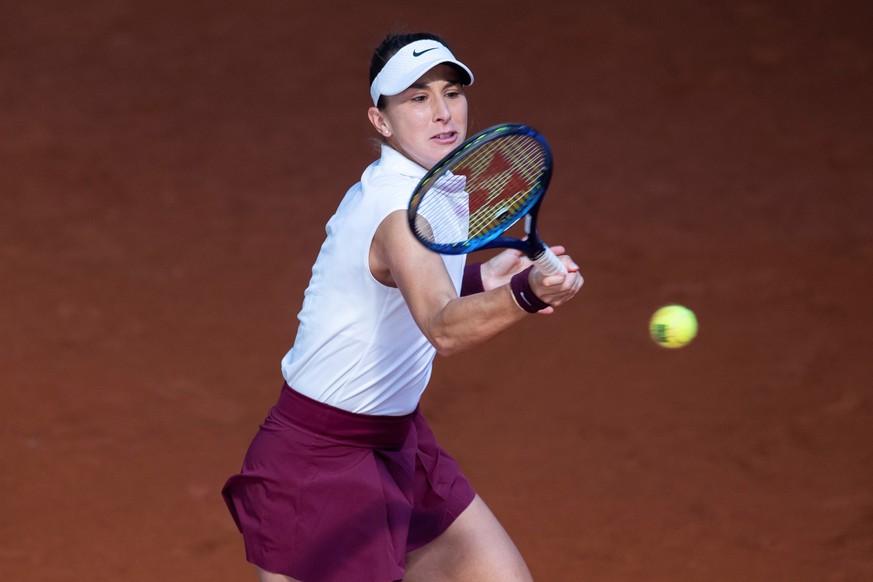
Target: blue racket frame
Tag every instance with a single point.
(492, 238)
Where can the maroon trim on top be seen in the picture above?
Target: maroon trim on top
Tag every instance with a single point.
(472, 281)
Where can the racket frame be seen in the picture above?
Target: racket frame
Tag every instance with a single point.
(533, 247)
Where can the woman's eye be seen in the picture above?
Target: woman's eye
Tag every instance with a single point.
(419, 98)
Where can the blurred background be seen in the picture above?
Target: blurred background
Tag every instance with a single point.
(166, 171)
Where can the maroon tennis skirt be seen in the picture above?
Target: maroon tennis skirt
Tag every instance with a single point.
(327, 495)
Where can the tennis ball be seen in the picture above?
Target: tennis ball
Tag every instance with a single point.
(673, 326)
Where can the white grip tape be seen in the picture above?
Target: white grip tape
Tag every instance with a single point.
(550, 264)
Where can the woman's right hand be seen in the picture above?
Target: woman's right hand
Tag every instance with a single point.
(557, 289)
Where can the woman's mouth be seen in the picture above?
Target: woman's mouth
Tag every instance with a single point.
(447, 137)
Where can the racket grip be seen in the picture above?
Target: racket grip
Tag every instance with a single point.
(549, 264)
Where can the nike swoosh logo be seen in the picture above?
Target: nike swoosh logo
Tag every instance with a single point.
(419, 53)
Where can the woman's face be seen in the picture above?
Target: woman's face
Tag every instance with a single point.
(428, 120)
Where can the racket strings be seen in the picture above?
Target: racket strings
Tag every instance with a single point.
(502, 179)
(482, 193)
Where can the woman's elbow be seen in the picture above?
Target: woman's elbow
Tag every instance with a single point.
(448, 351)
(446, 345)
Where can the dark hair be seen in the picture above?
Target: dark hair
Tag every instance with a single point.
(390, 46)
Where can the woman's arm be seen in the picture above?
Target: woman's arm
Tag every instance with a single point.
(453, 324)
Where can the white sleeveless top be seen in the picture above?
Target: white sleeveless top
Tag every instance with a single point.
(357, 346)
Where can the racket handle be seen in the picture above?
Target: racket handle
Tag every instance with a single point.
(549, 264)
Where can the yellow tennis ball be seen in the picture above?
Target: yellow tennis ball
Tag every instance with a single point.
(673, 326)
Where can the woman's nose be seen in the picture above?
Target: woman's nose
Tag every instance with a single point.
(441, 110)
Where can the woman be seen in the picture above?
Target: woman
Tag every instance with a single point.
(344, 482)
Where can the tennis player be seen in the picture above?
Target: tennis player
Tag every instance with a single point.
(344, 481)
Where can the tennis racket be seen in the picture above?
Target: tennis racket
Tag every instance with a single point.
(470, 198)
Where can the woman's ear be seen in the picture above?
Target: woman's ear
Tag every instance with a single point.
(377, 119)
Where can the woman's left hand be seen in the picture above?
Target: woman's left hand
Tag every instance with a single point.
(500, 268)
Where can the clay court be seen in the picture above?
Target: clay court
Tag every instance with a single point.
(166, 171)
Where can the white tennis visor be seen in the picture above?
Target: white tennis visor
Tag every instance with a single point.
(410, 63)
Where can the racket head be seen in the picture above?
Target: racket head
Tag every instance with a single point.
(481, 189)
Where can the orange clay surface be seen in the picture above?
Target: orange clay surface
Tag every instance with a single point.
(166, 171)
